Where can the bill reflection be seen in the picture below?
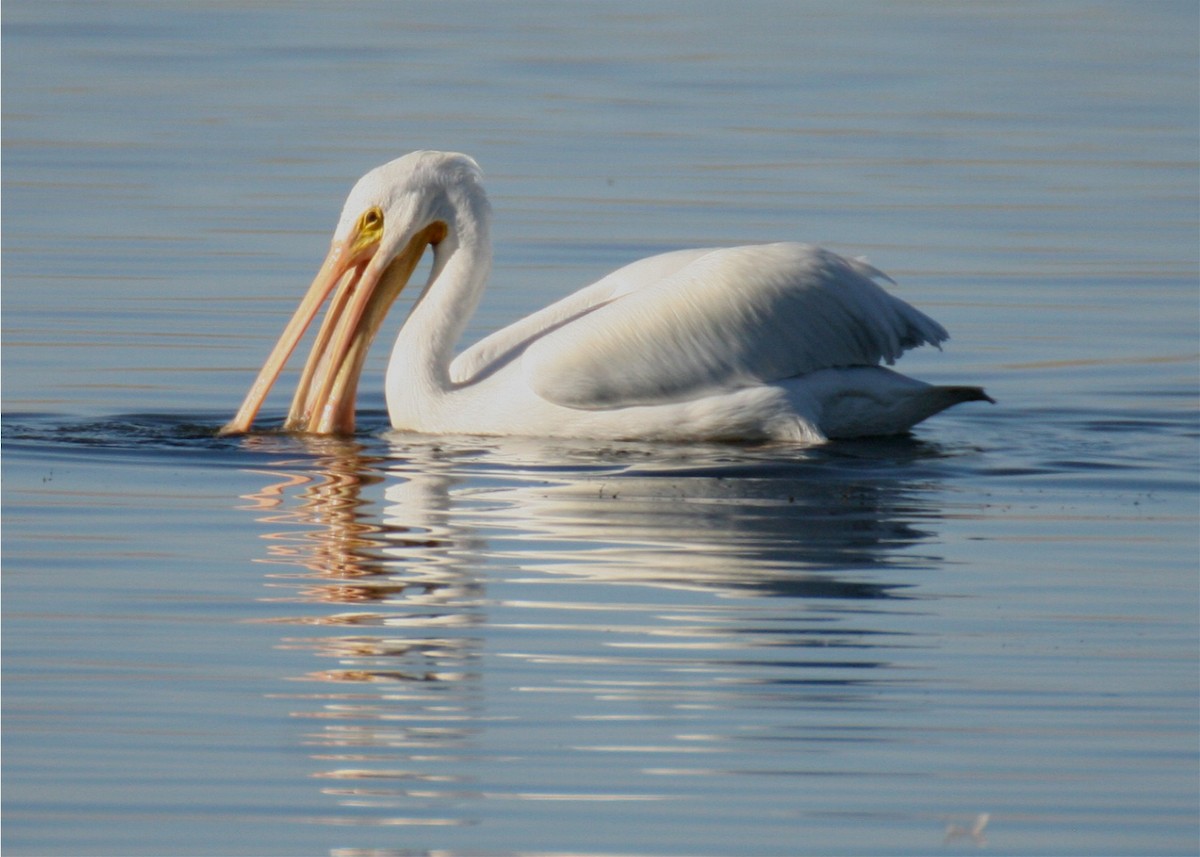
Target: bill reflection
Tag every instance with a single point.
(396, 696)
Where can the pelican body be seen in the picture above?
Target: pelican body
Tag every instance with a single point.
(756, 343)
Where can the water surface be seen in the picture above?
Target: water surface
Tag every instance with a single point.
(984, 635)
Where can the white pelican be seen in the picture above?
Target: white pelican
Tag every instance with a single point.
(765, 342)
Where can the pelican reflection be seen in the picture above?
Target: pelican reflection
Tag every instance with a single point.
(635, 579)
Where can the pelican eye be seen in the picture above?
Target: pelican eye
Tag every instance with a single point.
(372, 218)
(370, 227)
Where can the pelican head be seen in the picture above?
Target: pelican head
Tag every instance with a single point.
(391, 215)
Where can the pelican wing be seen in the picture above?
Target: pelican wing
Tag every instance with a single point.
(498, 348)
(723, 319)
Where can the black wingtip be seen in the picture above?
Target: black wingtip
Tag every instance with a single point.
(969, 394)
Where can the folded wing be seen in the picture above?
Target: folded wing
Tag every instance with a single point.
(703, 321)
(498, 348)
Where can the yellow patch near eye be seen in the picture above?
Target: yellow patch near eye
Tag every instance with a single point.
(371, 218)
(370, 228)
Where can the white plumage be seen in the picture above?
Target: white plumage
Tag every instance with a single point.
(766, 342)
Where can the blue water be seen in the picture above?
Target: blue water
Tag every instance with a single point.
(982, 636)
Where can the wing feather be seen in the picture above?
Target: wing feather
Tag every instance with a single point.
(497, 348)
(724, 319)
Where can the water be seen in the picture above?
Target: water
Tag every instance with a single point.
(981, 636)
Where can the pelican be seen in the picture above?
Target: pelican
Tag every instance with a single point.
(756, 343)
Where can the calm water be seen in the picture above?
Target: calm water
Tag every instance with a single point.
(981, 636)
